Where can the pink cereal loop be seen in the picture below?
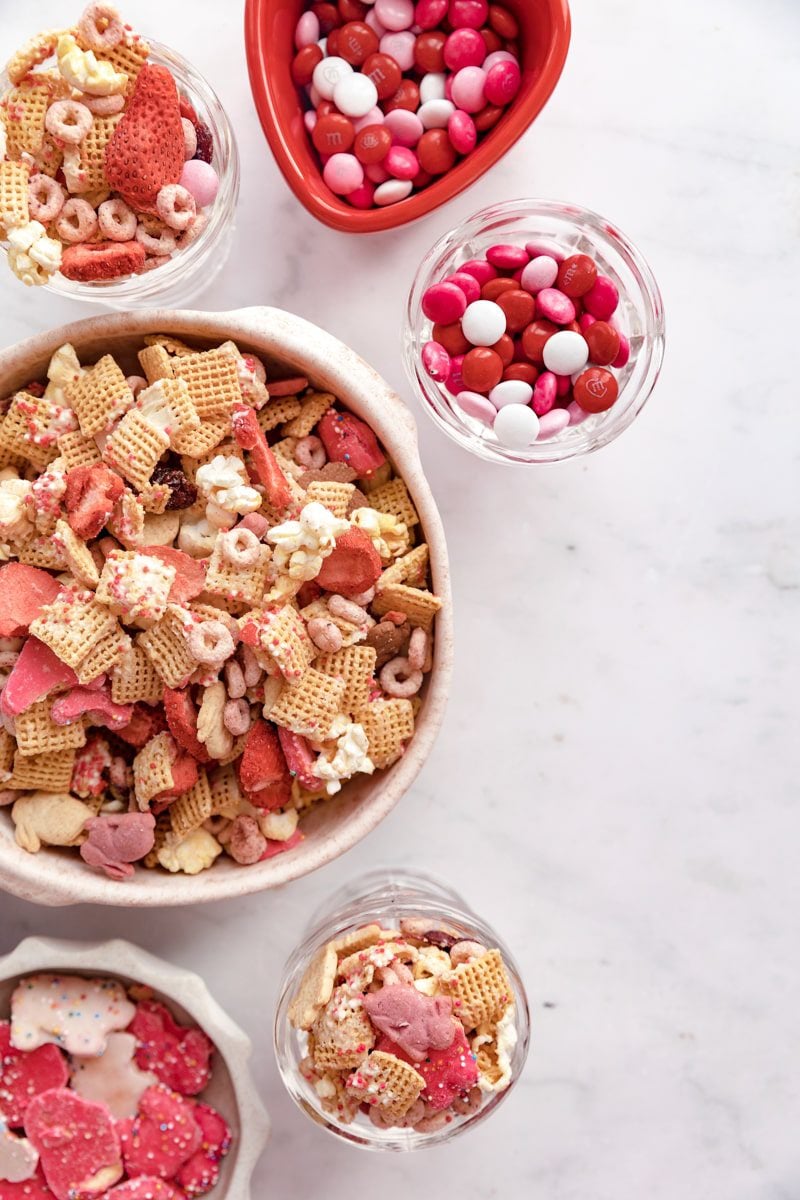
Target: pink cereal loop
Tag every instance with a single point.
(234, 680)
(104, 106)
(211, 643)
(68, 121)
(246, 842)
(100, 26)
(189, 138)
(417, 649)
(176, 206)
(325, 635)
(117, 222)
(346, 610)
(236, 717)
(240, 547)
(398, 679)
(46, 199)
(251, 667)
(197, 227)
(310, 453)
(160, 244)
(77, 222)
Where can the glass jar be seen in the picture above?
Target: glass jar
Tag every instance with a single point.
(190, 270)
(385, 897)
(573, 230)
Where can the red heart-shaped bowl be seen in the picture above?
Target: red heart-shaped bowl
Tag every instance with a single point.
(269, 36)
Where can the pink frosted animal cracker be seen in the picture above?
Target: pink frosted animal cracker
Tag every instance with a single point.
(162, 1136)
(178, 1054)
(117, 841)
(28, 1189)
(18, 1158)
(77, 1143)
(144, 1187)
(200, 1173)
(77, 1014)
(113, 1078)
(415, 1022)
(23, 1076)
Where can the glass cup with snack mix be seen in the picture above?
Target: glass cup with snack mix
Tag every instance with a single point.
(402, 1019)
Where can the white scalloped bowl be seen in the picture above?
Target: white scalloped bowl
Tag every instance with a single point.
(56, 876)
(231, 1090)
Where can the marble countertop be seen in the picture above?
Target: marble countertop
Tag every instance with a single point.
(614, 786)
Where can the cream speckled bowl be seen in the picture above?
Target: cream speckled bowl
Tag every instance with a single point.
(60, 876)
(231, 1090)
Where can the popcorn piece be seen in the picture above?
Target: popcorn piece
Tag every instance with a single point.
(388, 535)
(224, 485)
(15, 520)
(350, 755)
(84, 71)
(302, 545)
(194, 854)
(135, 586)
(493, 1045)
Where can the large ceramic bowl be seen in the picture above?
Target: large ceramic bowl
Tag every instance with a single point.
(60, 876)
(231, 1090)
(269, 37)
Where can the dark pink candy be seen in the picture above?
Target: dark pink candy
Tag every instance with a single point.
(563, 384)
(436, 361)
(470, 14)
(429, 13)
(462, 132)
(545, 390)
(586, 320)
(464, 48)
(624, 352)
(401, 163)
(362, 196)
(507, 257)
(602, 298)
(502, 83)
(479, 268)
(468, 284)
(455, 382)
(444, 303)
(554, 306)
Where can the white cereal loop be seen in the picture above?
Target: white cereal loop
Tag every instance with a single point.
(325, 635)
(398, 679)
(189, 138)
(240, 547)
(45, 199)
(417, 649)
(117, 222)
(103, 106)
(68, 121)
(210, 642)
(77, 222)
(191, 234)
(310, 453)
(159, 244)
(176, 206)
(100, 26)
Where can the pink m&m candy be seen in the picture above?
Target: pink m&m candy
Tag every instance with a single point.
(477, 406)
(404, 126)
(462, 132)
(343, 173)
(507, 257)
(602, 298)
(502, 83)
(470, 14)
(307, 30)
(480, 269)
(468, 284)
(464, 48)
(395, 14)
(401, 163)
(540, 273)
(400, 47)
(444, 303)
(455, 381)
(429, 13)
(624, 352)
(363, 196)
(201, 180)
(555, 306)
(544, 393)
(552, 423)
(468, 89)
(436, 361)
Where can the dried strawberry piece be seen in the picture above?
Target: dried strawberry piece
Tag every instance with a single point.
(183, 492)
(349, 440)
(274, 847)
(250, 436)
(186, 110)
(24, 591)
(200, 1173)
(263, 773)
(145, 723)
(190, 573)
(178, 1055)
(35, 388)
(353, 565)
(182, 721)
(90, 497)
(309, 592)
(26, 1073)
(89, 261)
(447, 1073)
(146, 150)
(162, 1135)
(205, 142)
(300, 758)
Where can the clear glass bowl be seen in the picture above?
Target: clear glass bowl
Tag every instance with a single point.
(192, 269)
(386, 895)
(640, 316)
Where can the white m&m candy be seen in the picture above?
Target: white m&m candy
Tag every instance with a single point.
(354, 95)
(516, 426)
(511, 391)
(328, 73)
(565, 352)
(483, 323)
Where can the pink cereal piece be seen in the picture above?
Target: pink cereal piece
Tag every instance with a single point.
(468, 284)
(176, 206)
(189, 138)
(395, 14)
(602, 298)
(552, 423)
(136, 383)
(477, 406)
(310, 453)
(246, 842)
(117, 222)
(46, 199)
(454, 382)
(468, 89)
(77, 221)
(430, 13)
(462, 132)
(624, 352)
(346, 610)
(577, 415)
(468, 14)
(68, 121)
(436, 361)
(306, 30)
(240, 547)
(502, 83)
(104, 106)
(545, 391)
(444, 303)
(398, 678)
(236, 716)
(464, 48)
(540, 273)
(100, 27)
(210, 642)
(480, 269)
(343, 173)
(201, 180)
(507, 257)
(417, 649)
(401, 163)
(256, 523)
(400, 47)
(554, 306)
(198, 226)
(552, 249)
(325, 634)
(405, 127)
(160, 244)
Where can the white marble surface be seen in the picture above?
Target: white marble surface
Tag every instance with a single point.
(615, 785)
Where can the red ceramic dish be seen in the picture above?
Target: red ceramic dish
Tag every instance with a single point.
(269, 38)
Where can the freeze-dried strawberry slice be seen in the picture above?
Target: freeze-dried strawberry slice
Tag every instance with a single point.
(274, 847)
(24, 591)
(262, 765)
(77, 1142)
(90, 497)
(353, 566)
(250, 436)
(182, 721)
(146, 150)
(90, 261)
(349, 440)
(300, 758)
(144, 724)
(178, 1055)
(190, 573)
(26, 1073)
(36, 673)
(162, 1135)
(200, 1173)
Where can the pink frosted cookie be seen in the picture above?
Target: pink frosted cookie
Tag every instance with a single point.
(144, 1187)
(163, 1135)
(76, 1013)
(23, 1076)
(77, 1143)
(448, 1073)
(178, 1054)
(27, 1189)
(113, 1078)
(200, 1173)
(18, 1158)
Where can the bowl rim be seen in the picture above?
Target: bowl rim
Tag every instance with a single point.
(122, 958)
(58, 880)
(335, 213)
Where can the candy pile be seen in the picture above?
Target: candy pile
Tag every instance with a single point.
(399, 91)
(105, 168)
(201, 634)
(523, 340)
(98, 1096)
(411, 1027)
